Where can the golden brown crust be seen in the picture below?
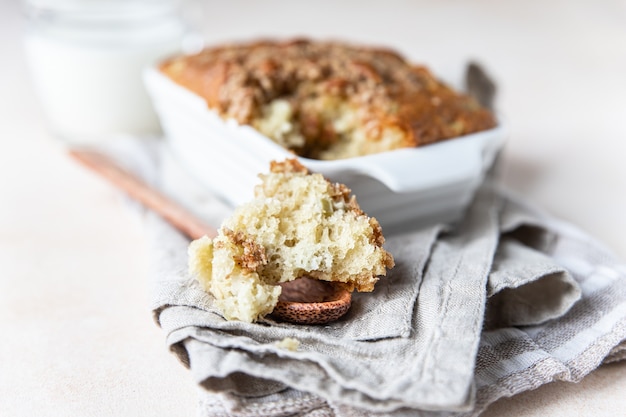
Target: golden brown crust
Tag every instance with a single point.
(238, 80)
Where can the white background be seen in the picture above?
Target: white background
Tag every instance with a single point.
(77, 337)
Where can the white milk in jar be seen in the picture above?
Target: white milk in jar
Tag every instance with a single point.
(87, 56)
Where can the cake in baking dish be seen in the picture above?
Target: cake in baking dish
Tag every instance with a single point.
(328, 100)
(298, 224)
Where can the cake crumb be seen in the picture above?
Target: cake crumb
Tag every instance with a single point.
(288, 343)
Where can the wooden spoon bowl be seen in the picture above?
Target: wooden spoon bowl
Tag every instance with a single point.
(304, 301)
(310, 301)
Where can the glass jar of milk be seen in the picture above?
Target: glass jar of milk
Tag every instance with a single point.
(87, 57)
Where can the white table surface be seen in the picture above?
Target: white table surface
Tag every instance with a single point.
(77, 335)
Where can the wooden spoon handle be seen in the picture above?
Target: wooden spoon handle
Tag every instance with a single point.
(171, 211)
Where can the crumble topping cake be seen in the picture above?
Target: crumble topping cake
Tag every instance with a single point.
(328, 100)
(298, 224)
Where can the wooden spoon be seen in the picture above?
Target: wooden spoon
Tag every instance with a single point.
(304, 301)
(311, 301)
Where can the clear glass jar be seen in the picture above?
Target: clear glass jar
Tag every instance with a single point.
(87, 57)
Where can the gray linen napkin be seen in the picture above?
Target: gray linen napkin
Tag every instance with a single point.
(510, 359)
(471, 313)
(350, 360)
(417, 342)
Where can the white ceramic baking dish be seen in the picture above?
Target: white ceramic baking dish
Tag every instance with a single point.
(402, 188)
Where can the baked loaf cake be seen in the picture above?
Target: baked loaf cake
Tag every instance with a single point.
(328, 100)
(298, 224)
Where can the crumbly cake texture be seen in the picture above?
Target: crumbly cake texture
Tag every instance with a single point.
(298, 224)
(328, 100)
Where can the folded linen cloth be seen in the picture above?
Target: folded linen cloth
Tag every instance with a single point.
(429, 338)
(509, 359)
(502, 302)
